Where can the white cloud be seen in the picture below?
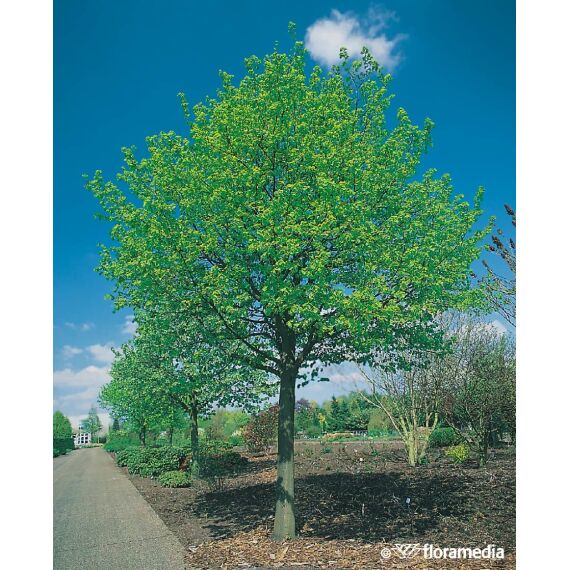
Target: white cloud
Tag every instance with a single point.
(129, 326)
(69, 352)
(498, 326)
(343, 378)
(326, 36)
(102, 352)
(103, 416)
(76, 390)
(83, 327)
(85, 378)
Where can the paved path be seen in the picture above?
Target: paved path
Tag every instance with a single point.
(101, 522)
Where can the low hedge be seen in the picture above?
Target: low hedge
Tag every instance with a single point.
(175, 479)
(444, 437)
(117, 445)
(337, 436)
(221, 464)
(63, 444)
(150, 461)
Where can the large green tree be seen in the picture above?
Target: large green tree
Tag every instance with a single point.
(295, 219)
(61, 426)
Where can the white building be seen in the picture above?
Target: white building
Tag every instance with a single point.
(81, 438)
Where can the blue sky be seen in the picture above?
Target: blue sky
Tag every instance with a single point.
(118, 67)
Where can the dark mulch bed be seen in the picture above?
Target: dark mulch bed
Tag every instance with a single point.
(351, 502)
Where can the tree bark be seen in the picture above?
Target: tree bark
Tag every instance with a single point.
(142, 436)
(284, 526)
(195, 444)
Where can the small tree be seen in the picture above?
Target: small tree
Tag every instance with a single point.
(479, 381)
(409, 396)
(134, 393)
(61, 426)
(261, 431)
(92, 424)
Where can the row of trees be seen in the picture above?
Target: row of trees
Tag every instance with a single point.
(62, 426)
(288, 231)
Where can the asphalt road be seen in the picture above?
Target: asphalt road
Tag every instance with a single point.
(101, 522)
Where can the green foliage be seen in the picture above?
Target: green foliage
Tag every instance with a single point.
(458, 453)
(221, 464)
(379, 423)
(236, 440)
(175, 479)
(292, 225)
(444, 437)
(150, 461)
(224, 424)
(338, 436)
(261, 431)
(313, 432)
(117, 445)
(119, 440)
(380, 433)
(63, 445)
(92, 424)
(61, 426)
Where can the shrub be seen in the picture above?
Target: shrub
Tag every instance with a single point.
(214, 446)
(236, 440)
(63, 444)
(261, 431)
(313, 432)
(221, 464)
(123, 456)
(175, 479)
(381, 433)
(443, 437)
(117, 445)
(458, 453)
(337, 436)
(379, 421)
(150, 461)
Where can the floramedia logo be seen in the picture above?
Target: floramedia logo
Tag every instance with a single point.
(429, 551)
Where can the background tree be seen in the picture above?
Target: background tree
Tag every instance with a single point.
(92, 424)
(61, 426)
(135, 393)
(479, 381)
(193, 373)
(295, 220)
(501, 284)
(410, 396)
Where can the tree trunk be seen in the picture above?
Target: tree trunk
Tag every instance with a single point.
(483, 448)
(284, 526)
(170, 435)
(142, 436)
(195, 444)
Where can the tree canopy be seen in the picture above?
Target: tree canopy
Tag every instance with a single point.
(61, 426)
(293, 222)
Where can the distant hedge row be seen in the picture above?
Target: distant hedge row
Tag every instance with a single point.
(63, 444)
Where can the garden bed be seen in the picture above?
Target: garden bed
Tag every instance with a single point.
(351, 502)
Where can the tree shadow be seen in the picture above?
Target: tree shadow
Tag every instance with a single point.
(364, 506)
